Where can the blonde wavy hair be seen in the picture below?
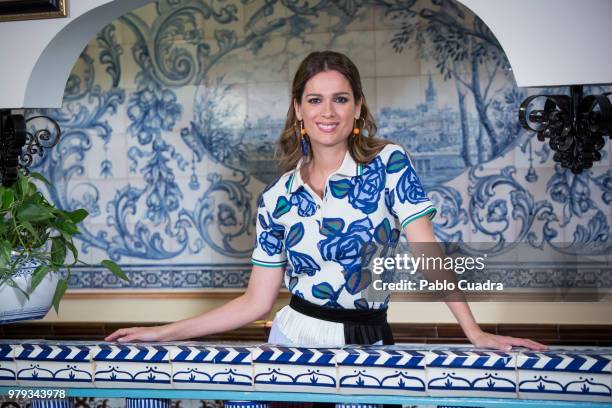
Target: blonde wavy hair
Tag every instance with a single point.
(362, 148)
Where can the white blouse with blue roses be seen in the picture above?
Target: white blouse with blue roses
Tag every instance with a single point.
(319, 241)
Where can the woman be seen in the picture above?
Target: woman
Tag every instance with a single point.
(339, 185)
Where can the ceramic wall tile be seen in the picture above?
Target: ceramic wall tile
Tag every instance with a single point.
(573, 375)
(294, 369)
(212, 367)
(197, 150)
(381, 370)
(468, 372)
(53, 365)
(132, 366)
(8, 368)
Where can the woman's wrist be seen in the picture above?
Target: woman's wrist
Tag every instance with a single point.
(165, 332)
(473, 332)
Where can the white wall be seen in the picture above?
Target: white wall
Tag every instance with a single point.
(37, 55)
(552, 42)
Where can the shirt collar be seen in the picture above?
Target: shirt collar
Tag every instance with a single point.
(348, 168)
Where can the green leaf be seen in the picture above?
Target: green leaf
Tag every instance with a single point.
(39, 274)
(66, 227)
(5, 252)
(78, 215)
(397, 162)
(115, 269)
(282, 207)
(75, 253)
(60, 289)
(30, 229)
(40, 177)
(22, 186)
(8, 197)
(58, 251)
(323, 291)
(340, 188)
(33, 212)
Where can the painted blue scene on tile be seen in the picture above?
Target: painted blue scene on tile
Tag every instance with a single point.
(171, 113)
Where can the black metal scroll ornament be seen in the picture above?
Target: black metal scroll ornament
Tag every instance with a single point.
(575, 126)
(18, 146)
(12, 139)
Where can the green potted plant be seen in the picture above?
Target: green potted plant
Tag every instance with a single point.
(37, 251)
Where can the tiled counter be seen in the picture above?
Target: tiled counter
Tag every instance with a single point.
(424, 374)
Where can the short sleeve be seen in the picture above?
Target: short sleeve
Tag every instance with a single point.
(269, 248)
(405, 196)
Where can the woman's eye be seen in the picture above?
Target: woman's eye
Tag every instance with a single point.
(342, 99)
(314, 100)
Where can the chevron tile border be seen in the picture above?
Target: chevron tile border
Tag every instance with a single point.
(211, 367)
(389, 370)
(578, 374)
(43, 364)
(566, 375)
(8, 367)
(465, 372)
(294, 369)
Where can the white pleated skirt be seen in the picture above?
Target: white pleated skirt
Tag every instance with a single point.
(292, 328)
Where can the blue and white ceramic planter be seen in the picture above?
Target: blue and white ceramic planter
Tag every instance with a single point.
(14, 306)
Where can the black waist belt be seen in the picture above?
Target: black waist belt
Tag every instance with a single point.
(360, 326)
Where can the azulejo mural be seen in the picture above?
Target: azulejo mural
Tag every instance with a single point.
(171, 113)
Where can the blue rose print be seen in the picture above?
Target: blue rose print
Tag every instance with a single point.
(306, 206)
(304, 203)
(325, 291)
(344, 247)
(409, 186)
(364, 191)
(271, 239)
(301, 263)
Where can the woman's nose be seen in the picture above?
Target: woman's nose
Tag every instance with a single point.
(328, 109)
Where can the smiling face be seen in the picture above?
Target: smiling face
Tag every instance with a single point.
(328, 109)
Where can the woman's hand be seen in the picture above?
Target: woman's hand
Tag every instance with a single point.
(136, 334)
(504, 343)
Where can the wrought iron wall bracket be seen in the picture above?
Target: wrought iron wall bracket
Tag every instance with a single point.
(574, 125)
(12, 139)
(18, 146)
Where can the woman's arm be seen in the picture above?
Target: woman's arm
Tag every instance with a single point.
(421, 231)
(256, 302)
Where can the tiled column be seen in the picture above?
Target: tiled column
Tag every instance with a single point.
(245, 404)
(51, 403)
(147, 403)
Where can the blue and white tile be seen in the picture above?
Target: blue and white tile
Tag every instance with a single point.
(265, 100)
(469, 372)
(236, 23)
(132, 366)
(270, 63)
(53, 365)
(384, 20)
(360, 45)
(390, 63)
(407, 92)
(212, 367)
(381, 370)
(294, 369)
(298, 49)
(572, 375)
(8, 368)
(267, 13)
(364, 19)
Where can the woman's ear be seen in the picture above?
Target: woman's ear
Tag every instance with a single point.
(296, 107)
(358, 108)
